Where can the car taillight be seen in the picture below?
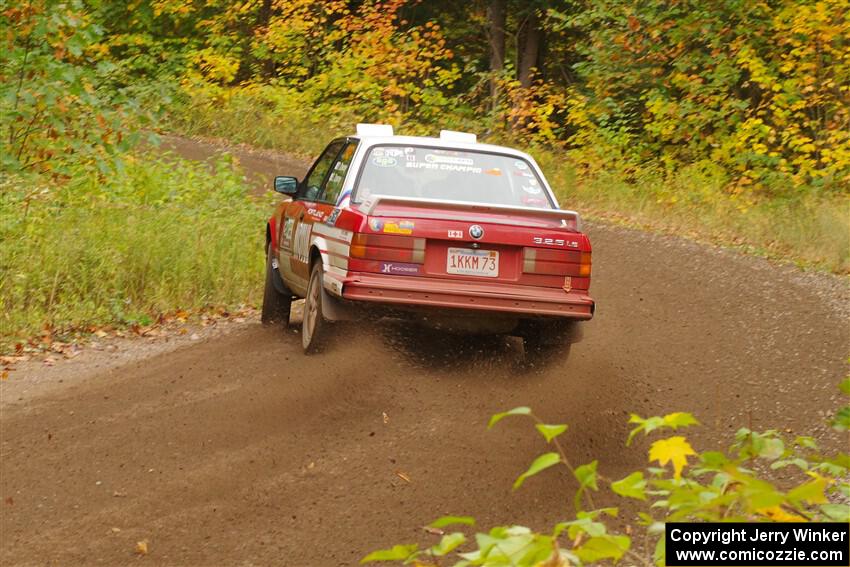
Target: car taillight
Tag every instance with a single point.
(390, 248)
(584, 266)
(554, 262)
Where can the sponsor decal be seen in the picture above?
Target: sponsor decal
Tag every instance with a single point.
(530, 189)
(316, 214)
(568, 283)
(495, 171)
(384, 161)
(433, 158)
(520, 165)
(409, 150)
(393, 152)
(333, 216)
(455, 234)
(443, 167)
(400, 269)
(376, 224)
(400, 227)
(476, 231)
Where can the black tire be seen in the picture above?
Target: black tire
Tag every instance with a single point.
(314, 328)
(276, 305)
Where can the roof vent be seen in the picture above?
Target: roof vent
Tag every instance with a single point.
(452, 136)
(374, 129)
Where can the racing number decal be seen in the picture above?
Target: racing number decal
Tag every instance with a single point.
(302, 241)
(286, 241)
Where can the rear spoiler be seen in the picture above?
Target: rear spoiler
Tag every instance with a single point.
(568, 218)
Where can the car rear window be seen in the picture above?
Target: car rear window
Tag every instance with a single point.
(447, 174)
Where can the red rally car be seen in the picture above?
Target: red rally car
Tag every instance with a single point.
(462, 236)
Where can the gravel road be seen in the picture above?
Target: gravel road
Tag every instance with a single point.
(236, 449)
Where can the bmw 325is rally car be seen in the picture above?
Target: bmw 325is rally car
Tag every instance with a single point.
(463, 236)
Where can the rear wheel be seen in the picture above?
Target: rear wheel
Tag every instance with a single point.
(276, 305)
(314, 328)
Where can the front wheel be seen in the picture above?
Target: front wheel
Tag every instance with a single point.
(314, 328)
(276, 305)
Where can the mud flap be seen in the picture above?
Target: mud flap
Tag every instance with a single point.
(279, 286)
(336, 309)
(575, 334)
(551, 333)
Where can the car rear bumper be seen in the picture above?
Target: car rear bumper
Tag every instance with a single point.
(473, 296)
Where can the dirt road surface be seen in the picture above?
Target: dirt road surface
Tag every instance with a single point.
(236, 449)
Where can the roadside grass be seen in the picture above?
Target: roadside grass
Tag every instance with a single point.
(809, 229)
(263, 117)
(161, 235)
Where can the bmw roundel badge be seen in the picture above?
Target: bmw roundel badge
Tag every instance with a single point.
(476, 231)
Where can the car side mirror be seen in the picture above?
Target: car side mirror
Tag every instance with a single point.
(286, 185)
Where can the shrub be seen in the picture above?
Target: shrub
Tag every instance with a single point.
(679, 485)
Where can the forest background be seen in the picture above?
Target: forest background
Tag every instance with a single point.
(727, 122)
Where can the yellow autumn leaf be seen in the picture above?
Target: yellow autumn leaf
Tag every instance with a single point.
(777, 514)
(673, 449)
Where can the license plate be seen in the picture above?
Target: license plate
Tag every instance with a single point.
(468, 262)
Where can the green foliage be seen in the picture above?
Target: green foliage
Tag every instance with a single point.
(633, 486)
(841, 422)
(671, 420)
(452, 521)
(715, 486)
(395, 553)
(539, 465)
(156, 236)
(758, 88)
(52, 108)
(549, 432)
(496, 418)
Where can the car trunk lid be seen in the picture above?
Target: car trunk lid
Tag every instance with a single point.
(479, 242)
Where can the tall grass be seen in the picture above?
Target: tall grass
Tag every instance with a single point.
(808, 228)
(162, 235)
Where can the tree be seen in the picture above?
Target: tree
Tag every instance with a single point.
(497, 21)
(531, 35)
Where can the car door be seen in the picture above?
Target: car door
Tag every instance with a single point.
(297, 225)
